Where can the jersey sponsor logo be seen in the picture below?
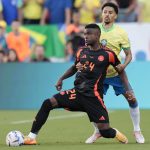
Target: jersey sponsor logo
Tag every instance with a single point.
(103, 42)
(102, 118)
(101, 58)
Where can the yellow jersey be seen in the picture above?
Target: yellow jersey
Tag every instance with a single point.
(33, 9)
(116, 39)
(145, 13)
(86, 10)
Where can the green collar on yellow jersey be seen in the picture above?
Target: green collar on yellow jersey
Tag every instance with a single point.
(107, 30)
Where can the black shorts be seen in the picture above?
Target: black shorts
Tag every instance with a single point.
(75, 101)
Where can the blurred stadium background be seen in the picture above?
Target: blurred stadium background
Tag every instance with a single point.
(28, 80)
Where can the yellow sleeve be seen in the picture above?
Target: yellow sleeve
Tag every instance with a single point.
(78, 3)
(96, 3)
(125, 42)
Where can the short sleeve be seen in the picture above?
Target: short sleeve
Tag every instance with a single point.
(77, 58)
(78, 3)
(113, 59)
(125, 42)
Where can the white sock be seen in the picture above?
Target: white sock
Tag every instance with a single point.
(96, 130)
(32, 135)
(135, 116)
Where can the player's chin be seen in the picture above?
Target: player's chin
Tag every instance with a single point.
(107, 21)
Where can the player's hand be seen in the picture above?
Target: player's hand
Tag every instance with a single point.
(120, 67)
(59, 85)
(79, 66)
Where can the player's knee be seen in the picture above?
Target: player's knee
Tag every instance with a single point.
(46, 106)
(54, 102)
(130, 95)
(108, 133)
(131, 99)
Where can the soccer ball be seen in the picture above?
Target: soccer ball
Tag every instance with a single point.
(14, 138)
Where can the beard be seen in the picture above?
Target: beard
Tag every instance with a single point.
(106, 21)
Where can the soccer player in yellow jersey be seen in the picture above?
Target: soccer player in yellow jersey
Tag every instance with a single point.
(115, 38)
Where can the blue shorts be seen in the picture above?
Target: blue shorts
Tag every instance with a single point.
(116, 83)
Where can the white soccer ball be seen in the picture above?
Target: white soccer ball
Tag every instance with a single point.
(14, 138)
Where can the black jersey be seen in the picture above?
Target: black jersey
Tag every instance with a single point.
(89, 81)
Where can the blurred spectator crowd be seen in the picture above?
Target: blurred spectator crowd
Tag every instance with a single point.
(18, 46)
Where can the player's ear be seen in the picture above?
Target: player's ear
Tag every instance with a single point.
(98, 34)
(116, 16)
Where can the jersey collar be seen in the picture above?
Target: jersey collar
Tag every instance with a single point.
(107, 30)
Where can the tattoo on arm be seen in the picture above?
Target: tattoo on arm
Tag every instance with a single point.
(128, 57)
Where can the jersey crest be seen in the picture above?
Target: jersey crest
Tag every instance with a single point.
(103, 42)
(101, 58)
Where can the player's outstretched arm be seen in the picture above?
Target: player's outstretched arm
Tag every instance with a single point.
(128, 59)
(70, 72)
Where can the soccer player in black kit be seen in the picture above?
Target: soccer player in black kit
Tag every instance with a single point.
(87, 94)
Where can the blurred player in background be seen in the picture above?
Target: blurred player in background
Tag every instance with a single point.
(115, 38)
(87, 94)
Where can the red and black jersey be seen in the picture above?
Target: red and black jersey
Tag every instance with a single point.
(89, 81)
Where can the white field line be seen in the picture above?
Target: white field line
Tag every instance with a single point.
(54, 118)
(51, 118)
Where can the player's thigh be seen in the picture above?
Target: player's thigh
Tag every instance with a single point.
(96, 110)
(118, 86)
(116, 83)
(69, 99)
(119, 90)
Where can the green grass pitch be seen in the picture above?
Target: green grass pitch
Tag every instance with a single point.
(68, 130)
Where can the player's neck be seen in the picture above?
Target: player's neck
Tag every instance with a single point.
(107, 26)
(95, 47)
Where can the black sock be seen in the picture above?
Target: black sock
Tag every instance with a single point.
(109, 133)
(41, 116)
